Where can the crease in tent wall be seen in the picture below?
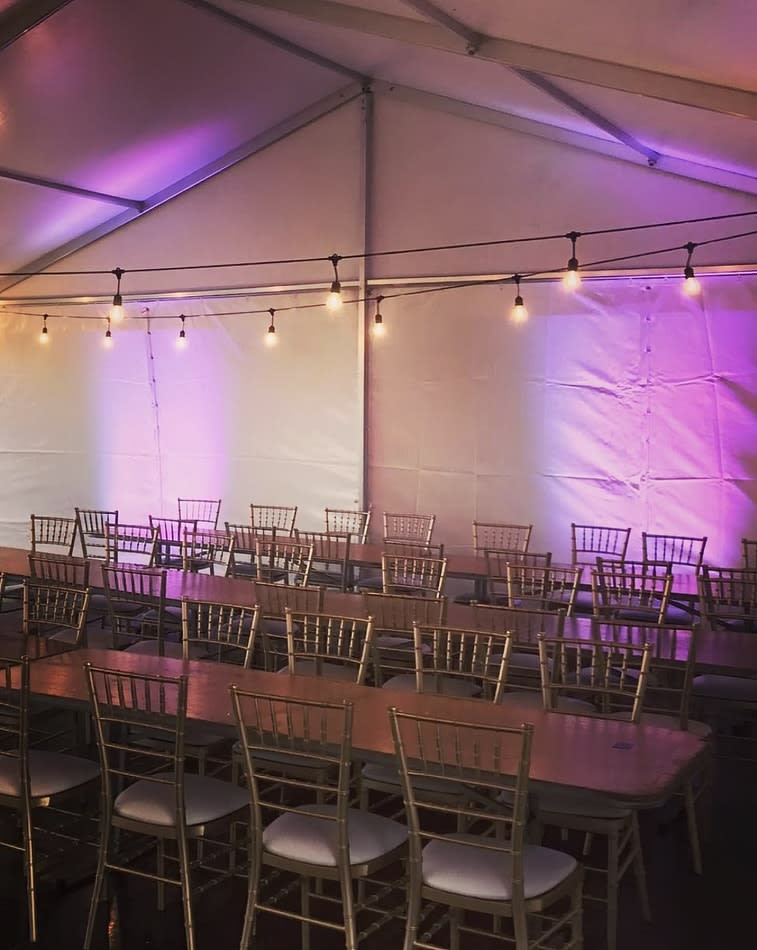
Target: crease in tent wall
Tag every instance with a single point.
(625, 403)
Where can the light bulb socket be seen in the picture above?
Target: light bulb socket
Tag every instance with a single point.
(518, 301)
(336, 287)
(573, 264)
(271, 329)
(688, 272)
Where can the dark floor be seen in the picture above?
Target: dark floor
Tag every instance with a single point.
(714, 911)
(718, 910)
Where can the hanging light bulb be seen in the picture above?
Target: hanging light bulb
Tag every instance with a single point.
(334, 299)
(379, 328)
(181, 341)
(117, 308)
(518, 314)
(44, 336)
(270, 337)
(572, 279)
(691, 286)
(108, 340)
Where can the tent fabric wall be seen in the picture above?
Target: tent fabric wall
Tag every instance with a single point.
(625, 404)
(141, 424)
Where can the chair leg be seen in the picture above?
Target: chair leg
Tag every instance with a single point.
(305, 911)
(186, 890)
(29, 873)
(102, 853)
(612, 888)
(413, 905)
(161, 868)
(638, 868)
(253, 885)
(691, 821)
(455, 916)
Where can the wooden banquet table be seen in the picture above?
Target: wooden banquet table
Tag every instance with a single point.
(718, 651)
(642, 765)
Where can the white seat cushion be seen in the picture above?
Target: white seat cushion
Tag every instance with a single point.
(389, 775)
(524, 661)
(97, 638)
(528, 699)
(206, 800)
(559, 801)
(329, 671)
(445, 685)
(390, 642)
(456, 865)
(733, 688)
(305, 837)
(49, 773)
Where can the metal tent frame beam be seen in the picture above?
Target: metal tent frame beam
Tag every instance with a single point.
(548, 62)
(680, 168)
(540, 82)
(267, 138)
(24, 16)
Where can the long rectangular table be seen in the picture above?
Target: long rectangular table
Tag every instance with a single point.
(643, 765)
(718, 651)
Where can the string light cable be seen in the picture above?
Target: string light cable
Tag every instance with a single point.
(541, 274)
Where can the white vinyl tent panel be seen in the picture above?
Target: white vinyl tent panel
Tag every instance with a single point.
(625, 404)
(139, 425)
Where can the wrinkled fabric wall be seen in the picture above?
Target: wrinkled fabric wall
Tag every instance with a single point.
(139, 425)
(623, 404)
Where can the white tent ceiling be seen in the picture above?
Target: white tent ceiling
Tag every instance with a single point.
(109, 109)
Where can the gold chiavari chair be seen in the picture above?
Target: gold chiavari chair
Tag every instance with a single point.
(59, 569)
(589, 541)
(543, 588)
(243, 561)
(33, 779)
(667, 699)
(131, 543)
(310, 832)
(146, 791)
(496, 570)
(491, 871)
(283, 560)
(330, 646)
(631, 590)
(499, 536)
(273, 601)
(331, 557)
(523, 625)
(52, 532)
(273, 519)
(58, 610)
(590, 677)
(137, 613)
(90, 528)
(204, 511)
(208, 550)
(170, 538)
(674, 549)
(349, 521)
(407, 528)
(393, 618)
(419, 576)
